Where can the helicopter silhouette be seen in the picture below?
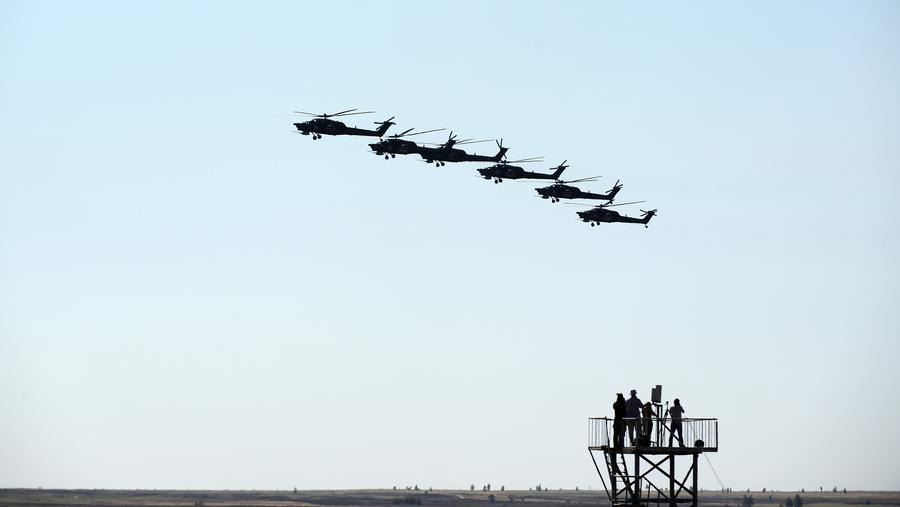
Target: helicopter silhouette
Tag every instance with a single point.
(505, 170)
(394, 145)
(446, 152)
(560, 190)
(601, 214)
(323, 124)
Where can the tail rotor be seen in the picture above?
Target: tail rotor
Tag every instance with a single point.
(647, 215)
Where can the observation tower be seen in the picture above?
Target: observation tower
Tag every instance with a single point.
(654, 476)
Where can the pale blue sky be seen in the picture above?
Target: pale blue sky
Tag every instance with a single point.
(193, 296)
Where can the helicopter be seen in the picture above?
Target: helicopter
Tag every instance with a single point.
(600, 214)
(394, 145)
(447, 153)
(323, 124)
(505, 170)
(560, 190)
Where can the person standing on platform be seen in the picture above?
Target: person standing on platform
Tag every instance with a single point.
(633, 414)
(675, 411)
(647, 433)
(619, 422)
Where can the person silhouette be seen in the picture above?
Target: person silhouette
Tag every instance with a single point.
(619, 422)
(675, 411)
(647, 413)
(632, 414)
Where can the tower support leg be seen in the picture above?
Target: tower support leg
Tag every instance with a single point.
(672, 480)
(636, 498)
(694, 496)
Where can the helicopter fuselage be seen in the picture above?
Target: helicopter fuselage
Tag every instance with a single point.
(395, 147)
(450, 154)
(512, 172)
(561, 191)
(602, 215)
(502, 171)
(333, 128)
(443, 154)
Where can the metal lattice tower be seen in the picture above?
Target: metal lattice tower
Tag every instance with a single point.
(655, 477)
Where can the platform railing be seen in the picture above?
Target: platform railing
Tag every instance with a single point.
(695, 432)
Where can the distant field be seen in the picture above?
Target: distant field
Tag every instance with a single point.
(387, 497)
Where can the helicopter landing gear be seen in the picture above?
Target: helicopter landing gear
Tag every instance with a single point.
(496, 181)
(593, 224)
(393, 155)
(387, 156)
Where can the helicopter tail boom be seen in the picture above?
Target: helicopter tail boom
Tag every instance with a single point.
(647, 216)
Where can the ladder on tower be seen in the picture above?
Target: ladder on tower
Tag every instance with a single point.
(618, 473)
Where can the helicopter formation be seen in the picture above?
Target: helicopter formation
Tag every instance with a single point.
(389, 146)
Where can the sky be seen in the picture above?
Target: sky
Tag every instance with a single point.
(194, 296)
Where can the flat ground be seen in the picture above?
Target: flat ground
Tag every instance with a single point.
(387, 497)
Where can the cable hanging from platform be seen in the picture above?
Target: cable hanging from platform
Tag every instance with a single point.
(708, 462)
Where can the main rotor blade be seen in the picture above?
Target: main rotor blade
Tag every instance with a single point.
(351, 114)
(348, 112)
(425, 132)
(622, 204)
(469, 141)
(525, 160)
(582, 180)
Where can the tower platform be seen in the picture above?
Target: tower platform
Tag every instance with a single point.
(649, 450)
(655, 442)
